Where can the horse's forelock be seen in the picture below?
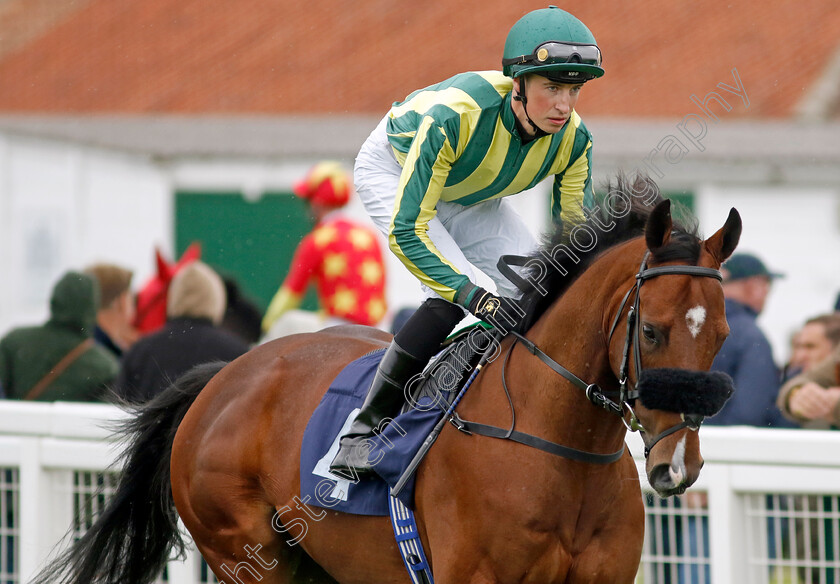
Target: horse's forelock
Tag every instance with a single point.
(684, 247)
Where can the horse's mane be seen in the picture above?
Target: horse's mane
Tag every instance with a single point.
(617, 216)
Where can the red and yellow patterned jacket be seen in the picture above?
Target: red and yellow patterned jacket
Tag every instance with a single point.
(346, 263)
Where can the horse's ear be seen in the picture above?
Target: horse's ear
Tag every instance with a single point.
(725, 240)
(163, 270)
(658, 227)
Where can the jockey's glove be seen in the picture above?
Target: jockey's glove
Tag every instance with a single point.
(498, 311)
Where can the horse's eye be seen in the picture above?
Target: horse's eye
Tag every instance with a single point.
(650, 334)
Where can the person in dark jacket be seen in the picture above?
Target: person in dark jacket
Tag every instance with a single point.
(242, 316)
(58, 361)
(746, 354)
(196, 303)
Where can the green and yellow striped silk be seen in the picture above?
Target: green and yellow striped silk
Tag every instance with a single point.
(458, 142)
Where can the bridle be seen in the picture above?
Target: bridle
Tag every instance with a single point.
(627, 394)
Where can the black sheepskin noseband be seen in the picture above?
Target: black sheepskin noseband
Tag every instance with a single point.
(683, 391)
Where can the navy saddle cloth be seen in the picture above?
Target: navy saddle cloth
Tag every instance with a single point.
(394, 448)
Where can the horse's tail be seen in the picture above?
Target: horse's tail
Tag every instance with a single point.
(133, 537)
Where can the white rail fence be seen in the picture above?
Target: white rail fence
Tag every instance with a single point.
(766, 508)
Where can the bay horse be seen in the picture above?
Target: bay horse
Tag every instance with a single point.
(222, 444)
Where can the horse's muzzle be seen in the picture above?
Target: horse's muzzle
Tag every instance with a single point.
(684, 391)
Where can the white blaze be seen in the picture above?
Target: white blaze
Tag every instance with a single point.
(676, 469)
(694, 318)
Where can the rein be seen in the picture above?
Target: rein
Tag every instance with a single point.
(592, 391)
(529, 439)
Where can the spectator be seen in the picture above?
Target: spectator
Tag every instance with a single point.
(746, 354)
(59, 360)
(114, 329)
(343, 257)
(815, 341)
(150, 315)
(789, 369)
(191, 336)
(812, 398)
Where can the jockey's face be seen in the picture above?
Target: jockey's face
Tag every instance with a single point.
(550, 103)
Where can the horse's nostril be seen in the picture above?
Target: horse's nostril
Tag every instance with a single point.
(667, 481)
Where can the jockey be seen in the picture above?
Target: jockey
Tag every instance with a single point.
(433, 175)
(343, 257)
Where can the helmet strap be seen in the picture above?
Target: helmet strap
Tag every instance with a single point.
(521, 97)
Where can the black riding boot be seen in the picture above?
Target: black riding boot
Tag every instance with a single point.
(383, 401)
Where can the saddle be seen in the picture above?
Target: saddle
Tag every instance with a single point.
(397, 445)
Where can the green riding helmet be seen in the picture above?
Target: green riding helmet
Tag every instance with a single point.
(552, 43)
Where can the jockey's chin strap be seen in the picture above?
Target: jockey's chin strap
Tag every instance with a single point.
(627, 394)
(523, 99)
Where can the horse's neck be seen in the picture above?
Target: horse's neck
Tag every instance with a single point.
(572, 333)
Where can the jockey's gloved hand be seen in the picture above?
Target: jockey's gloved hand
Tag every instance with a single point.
(498, 311)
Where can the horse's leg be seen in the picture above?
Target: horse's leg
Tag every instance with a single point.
(233, 533)
(237, 532)
(231, 525)
(284, 565)
(590, 567)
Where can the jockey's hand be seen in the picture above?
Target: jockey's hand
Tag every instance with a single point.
(498, 311)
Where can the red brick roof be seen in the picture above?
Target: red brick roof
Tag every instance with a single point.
(21, 21)
(320, 56)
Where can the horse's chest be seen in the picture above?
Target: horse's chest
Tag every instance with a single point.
(595, 561)
(580, 541)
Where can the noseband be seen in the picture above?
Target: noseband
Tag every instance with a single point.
(627, 394)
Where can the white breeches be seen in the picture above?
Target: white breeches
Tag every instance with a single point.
(469, 237)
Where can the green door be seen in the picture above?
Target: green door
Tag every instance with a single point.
(252, 242)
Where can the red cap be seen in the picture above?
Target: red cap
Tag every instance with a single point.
(326, 184)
